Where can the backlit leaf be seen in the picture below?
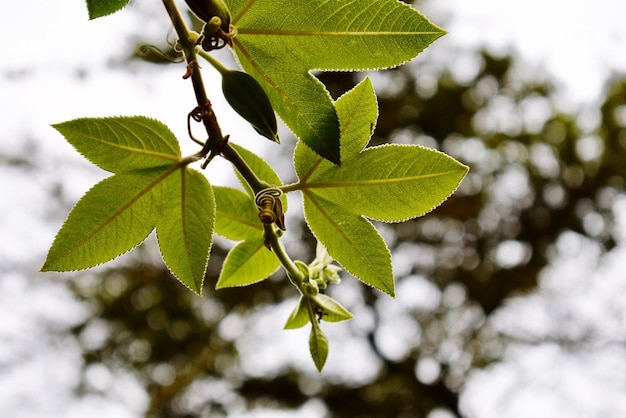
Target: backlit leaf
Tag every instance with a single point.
(110, 219)
(122, 144)
(391, 183)
(318, 345)
(247, 263)
(358, 112)
(333, 311)
(322, 35)
(259, 166)
(185, 231)
(352, 241)
(263, 171)
(299, 317)
(237, 215)
(99, 8)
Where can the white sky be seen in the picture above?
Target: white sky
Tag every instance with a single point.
(579, 42)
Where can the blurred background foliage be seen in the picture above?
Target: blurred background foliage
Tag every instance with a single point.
(536, 172)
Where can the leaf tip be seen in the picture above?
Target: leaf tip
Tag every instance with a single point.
(318, 345)
(98, 8)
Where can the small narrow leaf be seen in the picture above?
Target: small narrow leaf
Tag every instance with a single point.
(122, 144)
(185, 230)
(246, 96)
(352, 241)
(110, 219)
(299, 316)
(318, 345)
(333, 311)
(247, 263)
(237, 215)
(99, 8)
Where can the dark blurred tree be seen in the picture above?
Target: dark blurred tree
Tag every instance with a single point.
(535, 173)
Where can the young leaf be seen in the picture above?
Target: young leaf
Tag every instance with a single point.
(351, 240)
(122, 144)
(249, 100)
(322, 35)
(247, 263)
(99, 8)
(391, 183)
(110, 219)
(185, 230)
(318, 345)
(237, 216)
(299, 316)
(333, 311)
(358, 112)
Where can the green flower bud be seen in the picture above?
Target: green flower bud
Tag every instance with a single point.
(246, 96)
(311, 288)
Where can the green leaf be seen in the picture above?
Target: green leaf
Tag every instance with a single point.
(99, 8)
(237, 219)
(247, 263)
(110, 219)
(390, 183)
(249, 100)
(318, 345)
(262, 169)
(299, 316)
(259, 166)
(237, 215)
(185, 231)
(333, 311)
(352, 241)
(358, 112)
(322, 35)
(122, 144)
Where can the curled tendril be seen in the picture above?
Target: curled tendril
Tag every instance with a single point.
(198, 114)
(146, 50)
(201, 114)
(271, 207)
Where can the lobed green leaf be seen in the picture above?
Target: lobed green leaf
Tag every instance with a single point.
(122, 144)
(322, 35)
